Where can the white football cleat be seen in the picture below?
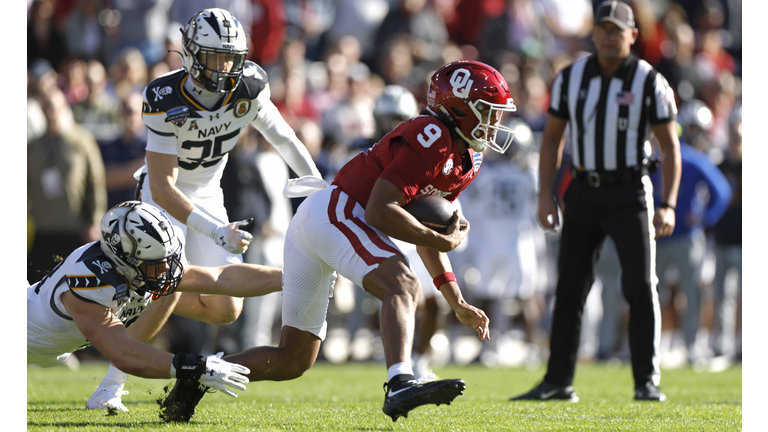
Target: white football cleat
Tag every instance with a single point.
(107, 396)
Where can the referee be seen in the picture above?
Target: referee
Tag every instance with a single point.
(614, 103)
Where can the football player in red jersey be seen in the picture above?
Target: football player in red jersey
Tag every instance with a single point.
(346, 228)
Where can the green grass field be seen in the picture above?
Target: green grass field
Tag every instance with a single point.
(349, 397)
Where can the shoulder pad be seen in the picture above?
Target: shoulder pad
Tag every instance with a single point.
(102, 270)
(425, 132)
(254, 80)
(163, 93)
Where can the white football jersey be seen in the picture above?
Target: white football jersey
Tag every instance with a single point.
(501, 197)
(202, 138)
(90, 276)
(505, 240)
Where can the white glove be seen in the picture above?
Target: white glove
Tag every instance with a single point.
(230, 237)
(219, 373)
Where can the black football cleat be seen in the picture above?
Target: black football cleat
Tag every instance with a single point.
(180, 404)
(545, 392)
(398, 402)
(649, 392)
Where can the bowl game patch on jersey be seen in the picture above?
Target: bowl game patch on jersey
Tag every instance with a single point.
(177, 116)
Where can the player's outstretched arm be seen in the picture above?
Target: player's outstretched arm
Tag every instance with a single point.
(107, 333)
(236, 280)
(271, 124)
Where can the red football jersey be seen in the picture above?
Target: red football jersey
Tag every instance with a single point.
(419, 157)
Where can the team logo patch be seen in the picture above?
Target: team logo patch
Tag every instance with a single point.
(104, 266)
(193, 125)
(112, 239)
(448, 167)
(242, 106)
(160, 92)
(477, 160)
(177, 116)
(251, 70)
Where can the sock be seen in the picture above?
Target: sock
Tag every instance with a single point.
(114, 376)
(400, 372)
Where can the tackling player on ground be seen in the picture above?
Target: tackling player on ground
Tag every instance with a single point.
(346, 228)
(194, 116)
(102, 288)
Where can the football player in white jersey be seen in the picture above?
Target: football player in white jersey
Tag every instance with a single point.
(194, 116)
(506, 250)
(98, 291)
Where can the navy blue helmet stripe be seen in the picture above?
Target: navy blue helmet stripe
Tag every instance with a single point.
(214, 23)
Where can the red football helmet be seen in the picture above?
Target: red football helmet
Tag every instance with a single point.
(473, 95)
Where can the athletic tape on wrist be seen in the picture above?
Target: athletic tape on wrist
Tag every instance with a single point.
(202, 223)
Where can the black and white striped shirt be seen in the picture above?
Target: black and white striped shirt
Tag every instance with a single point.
(610, 118)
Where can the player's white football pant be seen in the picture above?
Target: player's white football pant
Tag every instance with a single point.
(107, 396)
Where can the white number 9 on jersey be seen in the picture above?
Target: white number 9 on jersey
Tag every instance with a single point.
(432, 133)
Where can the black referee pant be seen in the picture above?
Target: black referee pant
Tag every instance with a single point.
(622, 211)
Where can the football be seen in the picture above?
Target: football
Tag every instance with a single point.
(433, 211)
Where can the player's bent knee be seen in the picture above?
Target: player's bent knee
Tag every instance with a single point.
(394, 278)
(407, 284)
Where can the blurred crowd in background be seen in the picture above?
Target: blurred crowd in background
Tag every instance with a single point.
(328, 61)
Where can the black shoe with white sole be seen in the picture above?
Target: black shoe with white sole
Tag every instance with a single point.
(404, 396)
(545, 392)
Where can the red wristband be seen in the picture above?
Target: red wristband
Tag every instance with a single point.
(443, 278)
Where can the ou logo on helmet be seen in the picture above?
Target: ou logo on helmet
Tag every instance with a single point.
(461, 83)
